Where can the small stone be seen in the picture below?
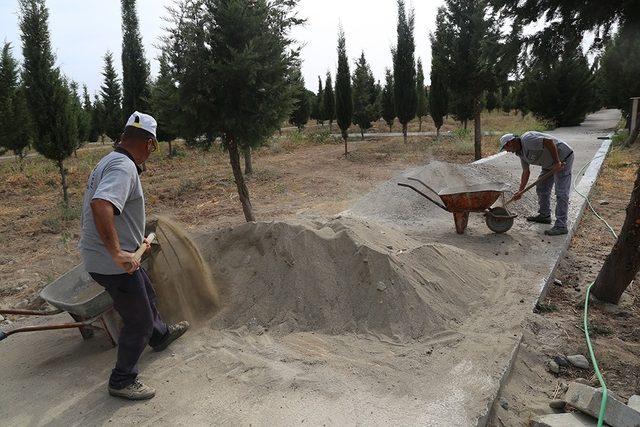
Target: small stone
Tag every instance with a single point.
(506, 253)
(634, 402)
(382, 286)
(557, 282)
(561, 360)
(389, 247)
(504, 403)
(579, 361)
(522, 300)
(553, 367)
(7, 323)
(603, 202)
(582, 381)
(557, 404)
(1, 318)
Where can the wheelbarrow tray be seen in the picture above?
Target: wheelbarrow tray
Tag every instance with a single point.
(77, 293)
(474, 198)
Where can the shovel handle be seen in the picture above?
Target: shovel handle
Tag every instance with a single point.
(530, 186)
(137, 255)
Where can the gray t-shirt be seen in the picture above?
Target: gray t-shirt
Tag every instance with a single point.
(116, 180)
(534, 153)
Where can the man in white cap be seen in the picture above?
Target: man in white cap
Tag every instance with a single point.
(551, 154)
(113, 221)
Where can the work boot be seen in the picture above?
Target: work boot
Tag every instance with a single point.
(173, 333)
(135, 391)
(556, 231)
(540, 219)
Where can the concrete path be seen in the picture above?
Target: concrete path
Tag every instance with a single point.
(224, 378)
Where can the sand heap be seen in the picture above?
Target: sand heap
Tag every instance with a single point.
(343, 276)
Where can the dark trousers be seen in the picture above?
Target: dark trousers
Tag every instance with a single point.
(135, 300)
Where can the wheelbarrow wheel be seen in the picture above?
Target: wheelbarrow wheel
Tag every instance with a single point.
(499, 220)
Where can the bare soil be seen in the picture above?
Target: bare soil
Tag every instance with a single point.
(557, 327)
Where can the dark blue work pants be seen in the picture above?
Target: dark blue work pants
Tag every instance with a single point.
(135, 300)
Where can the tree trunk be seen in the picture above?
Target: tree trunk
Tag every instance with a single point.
(21, 157)
(438, 132)
(330, 125)
(280, 131)
(633, 136)
(419, 124)
(75, 153)
(623, 263)
(63, 181)
(404, 132)
(243, 192)
(248, 165)
(362, 134)
(477, 136)
(390, 127)
(170, 149)
(345, 135)
(464, 123)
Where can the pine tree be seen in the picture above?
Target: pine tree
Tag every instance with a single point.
(364, 95)
(87, 107)
(387, 102)
(439, 96)
(492, 101)
(97, 119)
(111, 98)
(233, 60)
(404, 69)
(344, 100)
(329, 101)
(300, 114)
(83, 122)
(319, 105)
(560, 90)
(135, 69)
(15, 123)
(48, 98)
(421, 93)
(164, 103)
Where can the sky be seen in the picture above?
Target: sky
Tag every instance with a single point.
(82, 31)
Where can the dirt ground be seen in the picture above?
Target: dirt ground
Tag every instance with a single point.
(293, 174)
(557, 327)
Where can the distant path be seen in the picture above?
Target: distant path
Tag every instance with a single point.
(88, 146)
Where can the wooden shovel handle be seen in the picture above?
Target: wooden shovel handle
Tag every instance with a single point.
(530, 186)
(143, 248)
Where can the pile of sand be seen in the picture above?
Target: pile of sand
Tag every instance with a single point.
(343, 276)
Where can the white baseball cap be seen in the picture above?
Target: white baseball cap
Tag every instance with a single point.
(506, 138)
(143, 121)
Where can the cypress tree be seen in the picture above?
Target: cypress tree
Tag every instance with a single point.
(404, 69)
(421, 93)
(492, 101)
(233, 61)
(135, 69)
(83, 122)
(97, 119)
(344, 100)
(15, 123)
(319, 105)
(388, 103)
(164, 103)
(329, 101)
(48, 98)
(439, 96)
(110, 102)
(87, 107)
(300, 114)
(364, 95)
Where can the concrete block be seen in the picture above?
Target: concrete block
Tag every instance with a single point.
(587, 399)
(570, 419)
(634, 402)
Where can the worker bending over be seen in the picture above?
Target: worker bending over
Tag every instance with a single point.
(552, 154)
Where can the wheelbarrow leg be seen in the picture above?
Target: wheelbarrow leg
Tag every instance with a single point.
(461, 219)
(112, 325)
(85, 331)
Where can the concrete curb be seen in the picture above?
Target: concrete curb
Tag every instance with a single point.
(577, 207)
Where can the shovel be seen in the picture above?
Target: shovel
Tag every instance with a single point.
(499, 219)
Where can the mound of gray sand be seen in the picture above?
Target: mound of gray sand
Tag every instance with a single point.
(345, 276)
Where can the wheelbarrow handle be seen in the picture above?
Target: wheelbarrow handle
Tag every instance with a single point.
(428, 188)
(530, 186)
(87, 322)
(401, 184)
(29, 312)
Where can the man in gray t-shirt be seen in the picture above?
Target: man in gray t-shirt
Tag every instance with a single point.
(551, 154)
(113, 221)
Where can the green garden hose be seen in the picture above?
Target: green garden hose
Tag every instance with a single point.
(585, 319)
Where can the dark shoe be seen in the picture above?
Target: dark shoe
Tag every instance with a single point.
(174, 332)
(540, 219)
(135, 391)
(556, 231)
